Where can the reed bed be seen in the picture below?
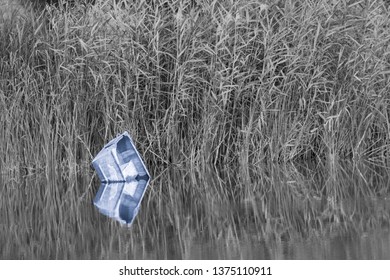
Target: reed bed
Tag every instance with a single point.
(220, 82)
(236, 85)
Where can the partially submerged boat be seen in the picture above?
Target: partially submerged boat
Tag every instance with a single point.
(124, 179)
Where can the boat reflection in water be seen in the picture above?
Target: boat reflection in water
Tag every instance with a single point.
(121, 200)
(124, 179)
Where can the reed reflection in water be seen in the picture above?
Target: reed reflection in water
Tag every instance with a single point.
(280, 212)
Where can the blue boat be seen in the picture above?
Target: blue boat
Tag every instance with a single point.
(119, 161)
(124, 179)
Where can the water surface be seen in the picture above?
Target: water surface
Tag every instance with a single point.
(338, 211)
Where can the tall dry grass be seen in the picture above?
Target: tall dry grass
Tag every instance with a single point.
(220, 82)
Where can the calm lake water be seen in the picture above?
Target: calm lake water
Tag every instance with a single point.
(338, 211)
